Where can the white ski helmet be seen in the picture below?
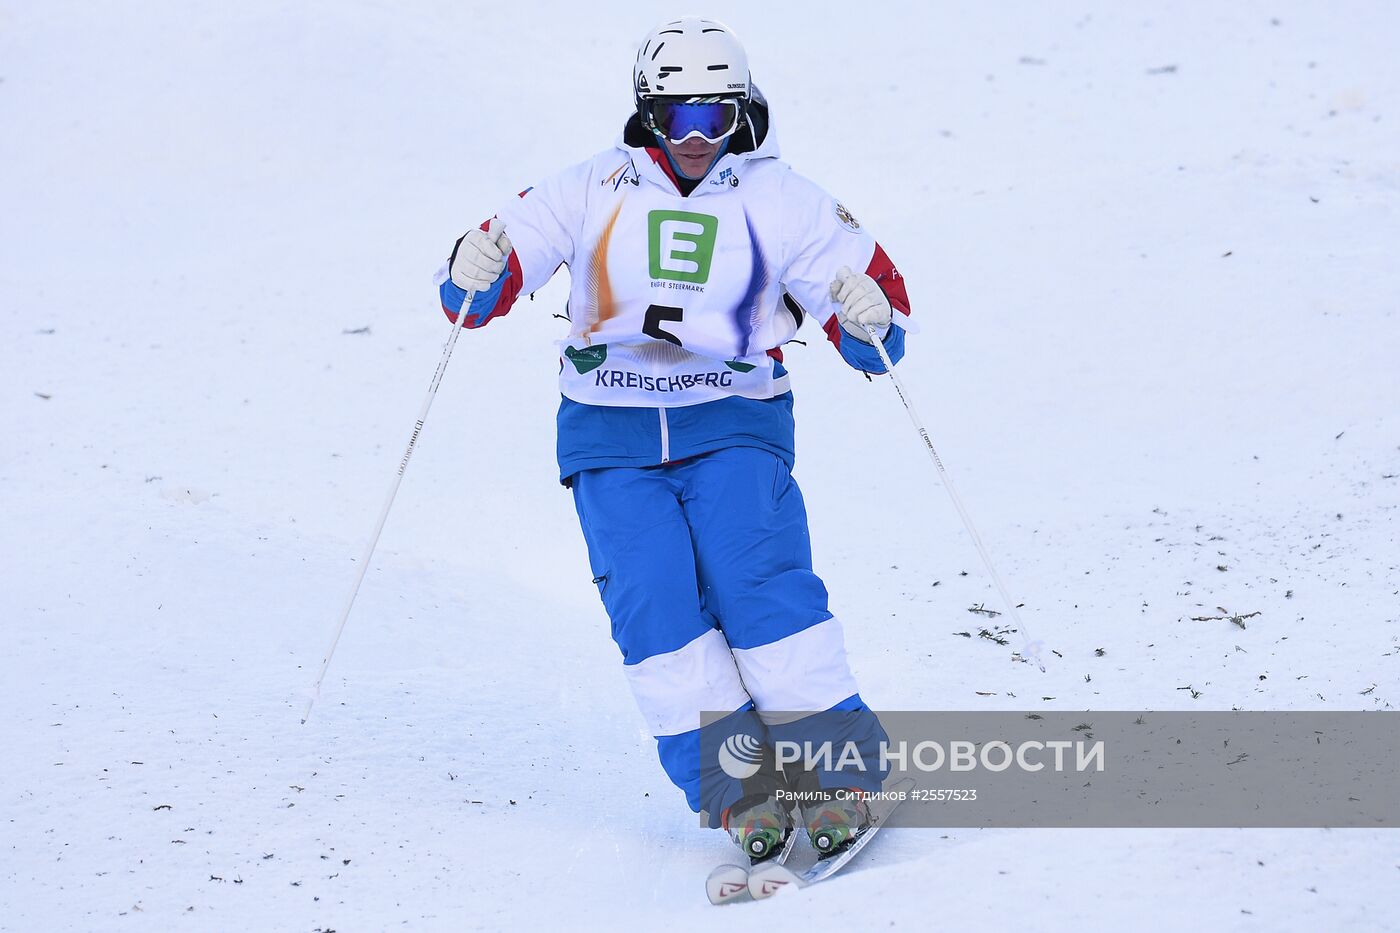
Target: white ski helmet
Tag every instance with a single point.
(691, 57)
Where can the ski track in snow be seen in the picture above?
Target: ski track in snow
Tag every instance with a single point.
(1153, 255)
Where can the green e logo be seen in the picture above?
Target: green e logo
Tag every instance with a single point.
(682, 245)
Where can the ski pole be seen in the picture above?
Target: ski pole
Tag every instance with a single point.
(1030, 650)
(457, 329)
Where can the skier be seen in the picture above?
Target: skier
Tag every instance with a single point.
(694, 254)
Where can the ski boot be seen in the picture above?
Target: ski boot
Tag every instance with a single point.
(759, 825)
(833, 824)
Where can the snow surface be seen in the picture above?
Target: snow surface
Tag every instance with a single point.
(1153, 248)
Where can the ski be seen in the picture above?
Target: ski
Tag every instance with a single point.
(769, 879)
(731, 882)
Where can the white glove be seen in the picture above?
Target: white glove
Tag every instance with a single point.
(862, 302)
(481, 257)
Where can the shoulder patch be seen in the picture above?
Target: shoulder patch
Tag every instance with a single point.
(846, 218)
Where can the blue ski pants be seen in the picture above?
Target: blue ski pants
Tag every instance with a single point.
(705, 569)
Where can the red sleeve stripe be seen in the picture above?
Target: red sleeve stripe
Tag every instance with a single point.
(833, 330)
(511, 291)
(882, 270)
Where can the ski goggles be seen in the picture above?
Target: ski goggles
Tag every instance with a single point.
(678, 119)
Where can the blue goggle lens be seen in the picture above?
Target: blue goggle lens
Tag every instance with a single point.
(677, 120)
